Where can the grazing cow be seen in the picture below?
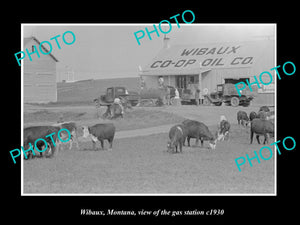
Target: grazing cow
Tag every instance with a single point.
(261, 127)
(252, 115)
(242, 118)
(72, 127)
(223, 131)
(31, 134)
(100, 132)
(177, 135)
(198, 130)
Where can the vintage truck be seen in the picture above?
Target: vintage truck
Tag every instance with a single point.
(227, 93)
(128, 98)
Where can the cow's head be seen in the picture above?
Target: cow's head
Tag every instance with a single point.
(245, 122)
(213, 140)
(85, 131)
(213, 143)
(170, 146)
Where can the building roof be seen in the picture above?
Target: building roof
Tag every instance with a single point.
(193, 59)
(26, 40)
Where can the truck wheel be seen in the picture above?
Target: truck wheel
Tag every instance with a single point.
(133, 103)
(234, 101)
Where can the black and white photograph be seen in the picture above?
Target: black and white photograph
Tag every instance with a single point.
(144, 109)
(147, 112)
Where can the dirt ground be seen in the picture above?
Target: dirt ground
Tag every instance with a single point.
(140, 164)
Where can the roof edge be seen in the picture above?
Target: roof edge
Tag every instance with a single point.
(45, 49)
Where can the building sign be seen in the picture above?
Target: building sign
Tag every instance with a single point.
(222, 56)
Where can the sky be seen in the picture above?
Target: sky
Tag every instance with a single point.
(111, 50)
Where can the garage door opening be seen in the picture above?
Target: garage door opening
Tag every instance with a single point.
(235, 80)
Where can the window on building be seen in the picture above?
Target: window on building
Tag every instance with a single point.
(235, 80)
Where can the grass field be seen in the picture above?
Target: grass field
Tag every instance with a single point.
(141, 164)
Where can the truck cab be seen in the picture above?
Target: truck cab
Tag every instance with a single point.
(130, 97)
(114, 92)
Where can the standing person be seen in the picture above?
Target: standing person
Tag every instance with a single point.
(201, 97)
(197, 96)
(168, 95)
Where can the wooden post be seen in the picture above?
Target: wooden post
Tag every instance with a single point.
(200, 87)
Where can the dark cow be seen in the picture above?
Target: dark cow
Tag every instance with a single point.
(261, 127)
(264, 109)
(198, 130)
(31, 134)
(252, 115)
(100, 132)
(72, 128)
(177, 135)
(242, 118)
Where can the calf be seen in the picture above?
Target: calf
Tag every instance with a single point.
(261, 127)
(31, 134)
(223, 130)
(100, 132)
(114, 111)
(242, 118)
(198, 130)
(177, 135)
(72, 127)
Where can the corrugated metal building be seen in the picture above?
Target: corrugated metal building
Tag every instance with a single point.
(207, 64)
(39, 75)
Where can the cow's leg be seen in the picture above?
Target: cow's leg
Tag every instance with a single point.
(102, 143)
(257, 137)
(197, 141)
(188, 140)
(180, 146)
(184, 141)
(251, 137)
(266, 138)
(94, 144)
(74, 138)
(39, 148)
(110, 143)
(71, 142)
(226, 136)
(77, 143)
